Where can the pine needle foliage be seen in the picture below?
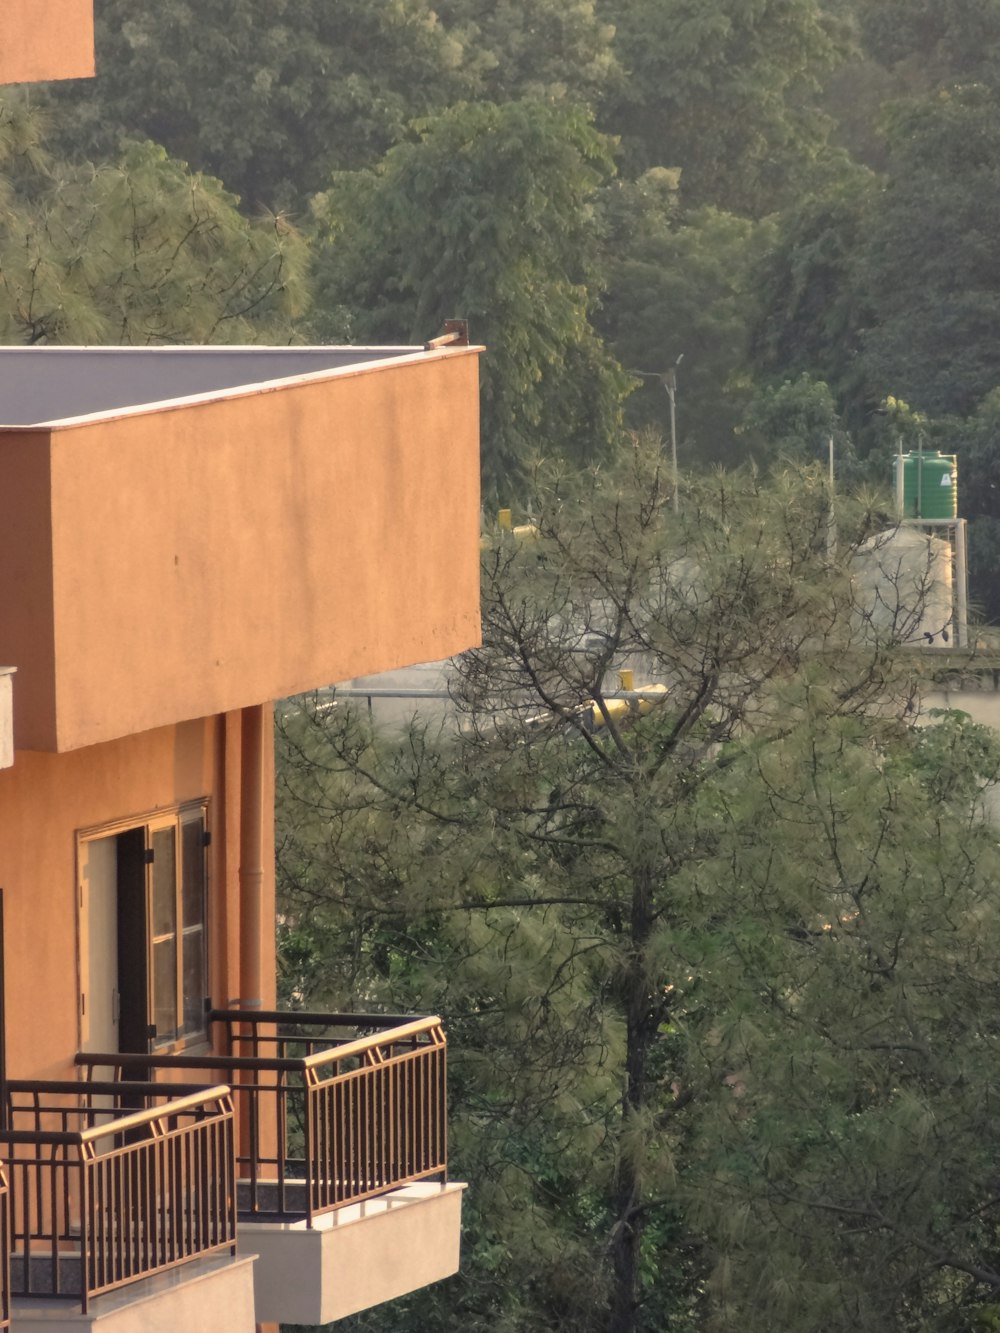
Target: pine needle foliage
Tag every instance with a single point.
(718, 966)
(135, 251)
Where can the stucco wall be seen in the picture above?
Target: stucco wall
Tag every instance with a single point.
(45, 800)
(191, 560)
(46, 39)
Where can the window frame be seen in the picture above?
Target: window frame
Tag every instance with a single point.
(176, 819)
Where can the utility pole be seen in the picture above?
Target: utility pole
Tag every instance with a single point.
(668, 378)
(670, 384)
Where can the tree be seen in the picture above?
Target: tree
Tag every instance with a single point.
(680, 284)
(810, 300)
(797, 420)
(488, 215)
(534, 49)
(890, 287)
(930, 268)
(689, 949)
(928, 43)
(851, 1173)
(269, 95)
(138, 251)
(726, 91)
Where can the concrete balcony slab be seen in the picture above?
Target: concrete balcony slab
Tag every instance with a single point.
(356, 1257)
(214, 1295)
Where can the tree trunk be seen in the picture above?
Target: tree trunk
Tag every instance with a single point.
(642, 1022)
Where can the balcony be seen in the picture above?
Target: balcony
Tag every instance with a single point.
(243, 523)
(124, 1193)
(342, 1187)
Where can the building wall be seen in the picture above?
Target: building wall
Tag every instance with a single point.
(46, 801)
(982, 704)
(183, 561)
(46, 39)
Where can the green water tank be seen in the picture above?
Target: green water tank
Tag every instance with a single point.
(927, 484)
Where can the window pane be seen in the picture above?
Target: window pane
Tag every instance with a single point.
(193, 863)
(165, 988)
(164, 882)
(194, 980)
(193, 922)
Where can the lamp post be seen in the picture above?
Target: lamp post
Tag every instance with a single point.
(668, 378)
(670, 384)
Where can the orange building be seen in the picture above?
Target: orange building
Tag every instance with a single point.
(186, 535)
(46, 39)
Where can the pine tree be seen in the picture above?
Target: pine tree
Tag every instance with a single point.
(696, 949)
(138, 250)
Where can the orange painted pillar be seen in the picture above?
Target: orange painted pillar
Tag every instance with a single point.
(251, 875)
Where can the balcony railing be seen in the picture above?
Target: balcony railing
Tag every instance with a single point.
(111, 1183)
(333, 1109)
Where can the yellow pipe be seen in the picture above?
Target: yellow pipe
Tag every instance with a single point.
(620, 708)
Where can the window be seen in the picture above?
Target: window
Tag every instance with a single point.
(143, 932)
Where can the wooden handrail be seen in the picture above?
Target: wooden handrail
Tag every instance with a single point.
(343, 1050)
(108, 1203)
(363, 1044)
(121, 1124)
(352, 1120)
(195, 1096)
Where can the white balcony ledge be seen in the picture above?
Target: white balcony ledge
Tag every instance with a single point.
(357, 1257)
(212, 1295)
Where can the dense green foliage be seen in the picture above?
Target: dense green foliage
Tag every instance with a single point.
(885, 283)
(487, 215)
(722, 91)
(680, 286)
(711, 1064)
(719, 978)
(137, 250)
(532, 48)
(739, 231)
(811, 305)
(274, 95)
(931, 268)
(933, 42)
(270, 95)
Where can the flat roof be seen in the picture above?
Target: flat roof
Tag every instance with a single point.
(43, 386)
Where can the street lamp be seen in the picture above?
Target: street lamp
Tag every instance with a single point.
(668, 378)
